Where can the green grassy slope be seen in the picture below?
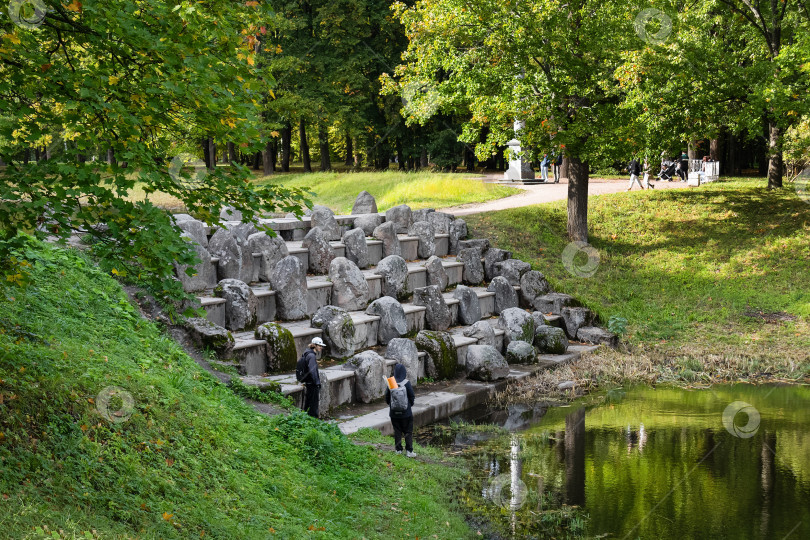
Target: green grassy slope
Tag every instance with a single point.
(189, 459)
(391, 188)
(685, 267)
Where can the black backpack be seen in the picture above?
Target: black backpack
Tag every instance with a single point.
(302, 368)
(399, 398)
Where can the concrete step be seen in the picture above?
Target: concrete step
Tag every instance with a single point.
(250, 353)
(432, 406)
(319, 291)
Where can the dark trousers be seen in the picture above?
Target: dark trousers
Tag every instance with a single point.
(312, 396)
(403, 426)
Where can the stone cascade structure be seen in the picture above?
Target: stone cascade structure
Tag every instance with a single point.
(335, 277)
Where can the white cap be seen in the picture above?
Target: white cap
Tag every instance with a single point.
(318, 341)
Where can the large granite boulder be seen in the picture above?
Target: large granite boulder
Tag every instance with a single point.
(404, 351)
(440, 221)
(469, 310)
(338, 330)
(281, 353)
(401, 216)
(369, 376)
(553, 302)
(320, 251)
(368, 222)
(435, 273)
(394, 272)
(224, 246)
(437, 315)
(194, 228)
(323, 218)
(575, 318)
(550, 340)
(491, 258)
(482, 331)
(349, 286)
(272, 249)
(393, 323)
(517, 325)
(512, 270)
(485, 363)
(229, 213)
(421, 214)
(289, 280)
(387, 233)
(597, 336)
(198, 277)
(458, 232)
(481, 243)
(206, 335)
(533, 285)
(356, 247)
(520, 352)
(442, 356)
(473, 273)
(241, 231)
(505, 295)
(240, 304)
(364, 204)
(426, 247)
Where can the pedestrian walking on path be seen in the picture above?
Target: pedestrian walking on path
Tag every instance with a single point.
(557, 166)
(635, 170)
(306, 371)
(400, 400)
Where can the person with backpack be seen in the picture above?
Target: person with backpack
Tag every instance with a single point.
(306, 372)
(635, 169)
(400, 400)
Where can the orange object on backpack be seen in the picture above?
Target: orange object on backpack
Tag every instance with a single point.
(392, 383)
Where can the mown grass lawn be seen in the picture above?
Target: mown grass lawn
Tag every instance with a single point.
(719, 271)
(391, 188)
(185, 458)
(338, 190)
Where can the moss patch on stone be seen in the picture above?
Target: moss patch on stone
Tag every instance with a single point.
(441, 349)
(281, 353)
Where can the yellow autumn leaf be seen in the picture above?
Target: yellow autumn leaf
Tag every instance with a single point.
(250, 60)
(113, 80)
(12, 38)
(74, 6)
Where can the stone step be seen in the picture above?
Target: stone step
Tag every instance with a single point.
(250, 353)
(433, 406)
(319, 291)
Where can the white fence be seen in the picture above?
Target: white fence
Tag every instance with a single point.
(701, 171)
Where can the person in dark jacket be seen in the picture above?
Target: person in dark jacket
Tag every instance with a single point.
(635, 170)
(312, 378)
(402, 421)
(558, 167)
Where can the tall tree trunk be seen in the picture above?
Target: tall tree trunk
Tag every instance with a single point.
(714, 149)
(423, 159)
(257, 161)
(564, 167)
(206, 149)
(691, 150)
(286, 136)
(774, 155)
(267, 159)
(212, 154)
(231, 152)
(731, 155)
(577, 200)
(110, 156)
(302, 133)
(575, 458)
(26, 156)
(323, 146)
(349, 151)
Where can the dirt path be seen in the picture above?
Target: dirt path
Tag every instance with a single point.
(542, 193)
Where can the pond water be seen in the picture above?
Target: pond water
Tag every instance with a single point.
(726, 462)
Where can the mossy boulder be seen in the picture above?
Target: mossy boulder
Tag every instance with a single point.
(521, 352)
(550, 340)
(281, 353)
(517, 325)
(207, 335)
(442, 361)
(338, 330)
